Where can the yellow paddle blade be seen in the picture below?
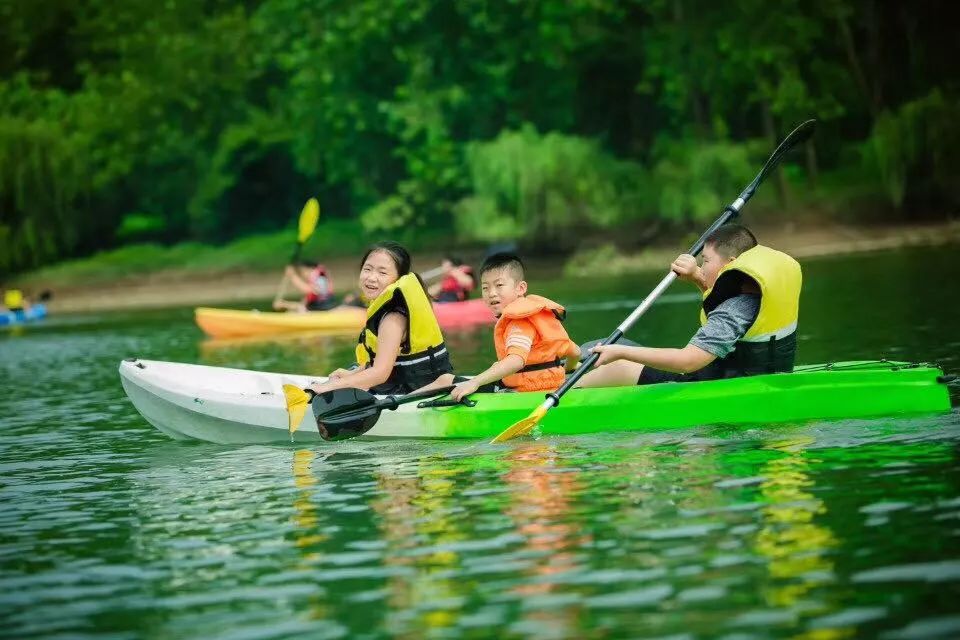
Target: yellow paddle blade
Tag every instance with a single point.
(308, 220)
(297, 403)
(523, 427)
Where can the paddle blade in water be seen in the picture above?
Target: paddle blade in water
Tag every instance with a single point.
(308, 220)
(523, 427)
(297, 402)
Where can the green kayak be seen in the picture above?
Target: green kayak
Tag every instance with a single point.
(214, 404)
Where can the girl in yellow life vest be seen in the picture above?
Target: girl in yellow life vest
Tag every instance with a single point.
(751, 300)
(401, 347)
(533, 348)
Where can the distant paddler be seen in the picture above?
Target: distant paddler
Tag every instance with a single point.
(456, 280)
(14, 301)
(313, 281)
(310, 278)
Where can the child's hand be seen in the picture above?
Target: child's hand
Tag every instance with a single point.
(608, 353)
(686, 268)
(340, 373)
(464, 389)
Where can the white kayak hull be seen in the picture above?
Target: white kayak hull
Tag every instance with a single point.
(233, 406)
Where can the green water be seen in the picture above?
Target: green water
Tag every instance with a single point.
(821, 531)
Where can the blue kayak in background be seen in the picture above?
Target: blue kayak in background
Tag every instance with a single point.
(35, 312)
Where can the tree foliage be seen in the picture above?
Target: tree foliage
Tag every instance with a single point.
(123, 121)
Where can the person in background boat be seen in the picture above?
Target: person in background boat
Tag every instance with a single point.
(533, 348)
(751, 301)
(314, 282)
(401, 347)
(457, 281)
(14, 300)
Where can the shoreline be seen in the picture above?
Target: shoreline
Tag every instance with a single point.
(177, 289)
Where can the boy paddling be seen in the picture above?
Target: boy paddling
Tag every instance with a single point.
(751, 297)
(533, 348)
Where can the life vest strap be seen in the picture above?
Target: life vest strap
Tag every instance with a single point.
(417, 358)
(543, 366)
(779, 334)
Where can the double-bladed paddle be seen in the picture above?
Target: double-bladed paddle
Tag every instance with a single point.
(798, 135)
(345, 413)
(309, 216)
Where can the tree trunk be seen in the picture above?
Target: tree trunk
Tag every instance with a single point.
(770, 130)
(856, 68)
(873, 53)
(812, 168)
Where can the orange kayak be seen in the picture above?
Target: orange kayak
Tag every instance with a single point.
(235, 323)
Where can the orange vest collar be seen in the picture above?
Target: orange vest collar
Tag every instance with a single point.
(531, 305)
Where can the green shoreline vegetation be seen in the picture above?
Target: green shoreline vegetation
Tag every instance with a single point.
(139, 137)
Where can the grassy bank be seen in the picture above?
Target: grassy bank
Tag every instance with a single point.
(845, 211)
(256, 253)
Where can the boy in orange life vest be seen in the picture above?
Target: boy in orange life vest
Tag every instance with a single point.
(531, 343)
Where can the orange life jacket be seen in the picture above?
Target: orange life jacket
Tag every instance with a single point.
(544, 368)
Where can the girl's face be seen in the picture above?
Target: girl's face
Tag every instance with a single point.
(378, 272)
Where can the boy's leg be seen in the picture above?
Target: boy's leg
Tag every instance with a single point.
(620, 373)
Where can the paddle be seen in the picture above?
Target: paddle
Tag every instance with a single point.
(431, 273)
(345, 413)
(798, 135)
(309, 217)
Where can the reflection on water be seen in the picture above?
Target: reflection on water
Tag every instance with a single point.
(817, 531)
(795, 546)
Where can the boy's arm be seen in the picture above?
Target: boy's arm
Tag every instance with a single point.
(500, 369)
(520, 335)
(686, 360)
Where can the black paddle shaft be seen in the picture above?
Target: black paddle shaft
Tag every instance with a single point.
(801, 134)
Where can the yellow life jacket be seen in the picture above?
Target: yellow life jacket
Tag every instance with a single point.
(423, 355)
(13, 299)
(770, 343)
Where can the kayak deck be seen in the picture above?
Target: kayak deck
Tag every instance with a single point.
(236, 406)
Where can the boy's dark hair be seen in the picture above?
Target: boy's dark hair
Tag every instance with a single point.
(731, 240)
(509, 261)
